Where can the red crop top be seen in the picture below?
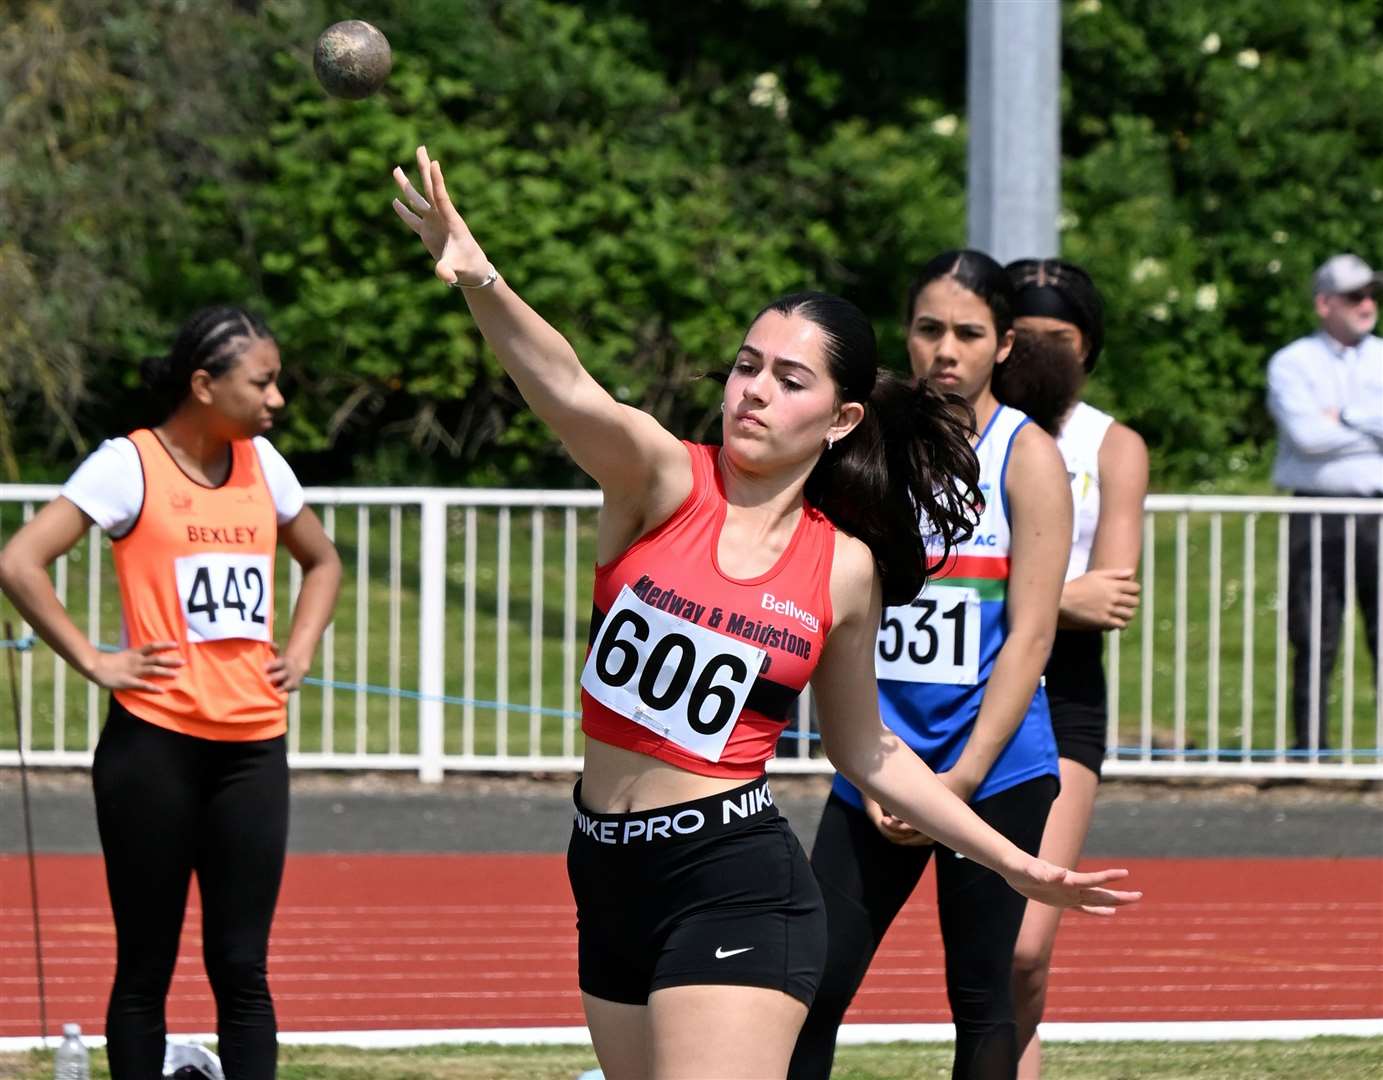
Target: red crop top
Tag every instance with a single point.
(662, 679)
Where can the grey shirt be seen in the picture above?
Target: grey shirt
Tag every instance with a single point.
(1314, 451)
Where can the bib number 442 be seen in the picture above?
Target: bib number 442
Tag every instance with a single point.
(225, 596)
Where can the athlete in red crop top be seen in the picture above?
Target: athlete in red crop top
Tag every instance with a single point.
(779, 619)
(701, 935)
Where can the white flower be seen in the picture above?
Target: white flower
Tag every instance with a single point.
(946, 125)
(767, 93)
(1159, 312)
(1274, 266)
(1144, 269)
(1248, 59)
(1376, 194)
(1210, 44)
(1088, 7)
(1173, 295)
(1067, 219)
(1279, 236)
(1207, 298)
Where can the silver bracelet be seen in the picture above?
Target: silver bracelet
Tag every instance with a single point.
(489, 279)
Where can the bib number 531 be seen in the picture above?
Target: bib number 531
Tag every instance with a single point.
(225, 596)
(935, 639)
(685, 682)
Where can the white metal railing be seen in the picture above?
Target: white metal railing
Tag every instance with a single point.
(433, 665)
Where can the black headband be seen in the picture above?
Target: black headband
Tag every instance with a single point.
(1049, 302)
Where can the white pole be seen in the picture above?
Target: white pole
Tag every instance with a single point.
(432, 635)
(1014, 98)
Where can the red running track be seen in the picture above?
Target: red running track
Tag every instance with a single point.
(468, 941)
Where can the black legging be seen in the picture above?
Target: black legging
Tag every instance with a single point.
(168, 804)
(866, 879)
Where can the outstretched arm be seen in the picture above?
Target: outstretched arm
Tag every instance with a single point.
(886, 770)
(642, 468)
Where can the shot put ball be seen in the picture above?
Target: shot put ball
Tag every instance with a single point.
(352, 59)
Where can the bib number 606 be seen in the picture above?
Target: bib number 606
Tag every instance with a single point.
(618, 661)
(682, 680)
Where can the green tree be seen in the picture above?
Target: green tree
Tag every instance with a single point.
(647, 173)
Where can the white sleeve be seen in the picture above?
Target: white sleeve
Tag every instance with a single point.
(108, 486)
(283, 485)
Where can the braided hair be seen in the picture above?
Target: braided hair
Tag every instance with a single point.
(211, 340)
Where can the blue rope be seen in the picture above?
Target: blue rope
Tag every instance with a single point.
(445, 699)
(1121, 753)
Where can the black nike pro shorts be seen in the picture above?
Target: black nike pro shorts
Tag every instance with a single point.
(712, 892)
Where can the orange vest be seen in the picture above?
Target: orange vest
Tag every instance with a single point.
(197, 568)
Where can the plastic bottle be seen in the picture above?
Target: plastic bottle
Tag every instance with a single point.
(72, 1061)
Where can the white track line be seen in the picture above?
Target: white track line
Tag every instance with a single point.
(850, 1034)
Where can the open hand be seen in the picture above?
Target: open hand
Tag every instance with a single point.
(131, 669)
(1059, 887)
(433, 217)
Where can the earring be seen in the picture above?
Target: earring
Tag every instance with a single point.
(830, 441)
(722, 406)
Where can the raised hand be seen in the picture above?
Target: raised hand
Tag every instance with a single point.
(1054, 885)
(131, 669)
(459, 259)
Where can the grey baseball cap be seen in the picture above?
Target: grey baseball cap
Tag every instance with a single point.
(1342, 274)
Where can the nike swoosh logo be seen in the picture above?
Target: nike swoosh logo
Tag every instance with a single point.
(722, 953)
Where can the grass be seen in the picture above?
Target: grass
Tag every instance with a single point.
(1338, 1058)
(1182, 698)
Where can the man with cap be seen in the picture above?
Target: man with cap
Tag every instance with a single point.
(1325, 391)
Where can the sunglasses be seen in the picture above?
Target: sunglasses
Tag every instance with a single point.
(1358, 296)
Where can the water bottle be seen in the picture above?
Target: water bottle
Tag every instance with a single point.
(71, 1061)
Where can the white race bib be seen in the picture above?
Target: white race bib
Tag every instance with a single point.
(225, 596)
(685, 682)
(935, 639)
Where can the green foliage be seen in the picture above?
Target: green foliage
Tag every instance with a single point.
(1216, 154)
(647, 174)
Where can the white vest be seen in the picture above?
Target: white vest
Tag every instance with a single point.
(1079, 442)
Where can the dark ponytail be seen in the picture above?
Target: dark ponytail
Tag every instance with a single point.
(1041, 377)
(211, 340)
(908, 462)
(906, 476)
